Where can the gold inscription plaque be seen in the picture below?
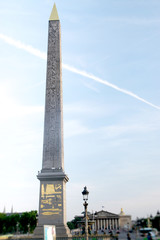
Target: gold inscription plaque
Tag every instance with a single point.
(51, 199)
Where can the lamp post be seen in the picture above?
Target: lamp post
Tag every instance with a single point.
(85, 204)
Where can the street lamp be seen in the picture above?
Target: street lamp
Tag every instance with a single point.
(85, 194)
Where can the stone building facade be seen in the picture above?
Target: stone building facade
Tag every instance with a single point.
(103, 221)
(124, 220)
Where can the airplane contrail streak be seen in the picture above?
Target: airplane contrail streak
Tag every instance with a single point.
(27, 48)
(97, 79)
(42, 55)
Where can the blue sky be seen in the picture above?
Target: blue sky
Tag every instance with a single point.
(110, 51)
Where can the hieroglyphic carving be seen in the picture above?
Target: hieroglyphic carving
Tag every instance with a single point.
(53, 129)
(51, 199)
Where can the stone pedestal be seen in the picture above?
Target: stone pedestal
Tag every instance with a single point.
(52, 202)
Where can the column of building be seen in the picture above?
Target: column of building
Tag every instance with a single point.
(107, 223)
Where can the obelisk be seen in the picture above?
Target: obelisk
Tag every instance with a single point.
(52, 200)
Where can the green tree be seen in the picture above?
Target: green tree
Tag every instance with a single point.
(74, 223)
(14, 222)
(143, 222)
(156, 222)
(70, 225)
(28, 221)
(32, 220)
(2, 220)
(24, 222)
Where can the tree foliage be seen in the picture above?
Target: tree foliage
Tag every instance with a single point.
(74, 223)
(144, 222)
(156, 223)
(14, 223)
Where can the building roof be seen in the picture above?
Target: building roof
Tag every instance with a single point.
(104, 214)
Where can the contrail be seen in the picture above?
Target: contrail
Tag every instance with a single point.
(23, 46)
(43, 55)
(97, 79)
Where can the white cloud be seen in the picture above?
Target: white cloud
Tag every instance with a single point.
(114, 131)
(90, 109)
(74, 128)
(91, 87)
(82, 108)
(133, 20)
(9, 108)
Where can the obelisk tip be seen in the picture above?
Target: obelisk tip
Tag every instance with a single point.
(54, 14)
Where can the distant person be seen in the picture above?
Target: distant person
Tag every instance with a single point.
(149, 237)
(128, 236)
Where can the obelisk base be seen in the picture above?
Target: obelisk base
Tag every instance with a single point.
(52, 202)
(61, 231)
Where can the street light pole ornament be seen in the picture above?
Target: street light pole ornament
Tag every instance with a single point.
(85, 194)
